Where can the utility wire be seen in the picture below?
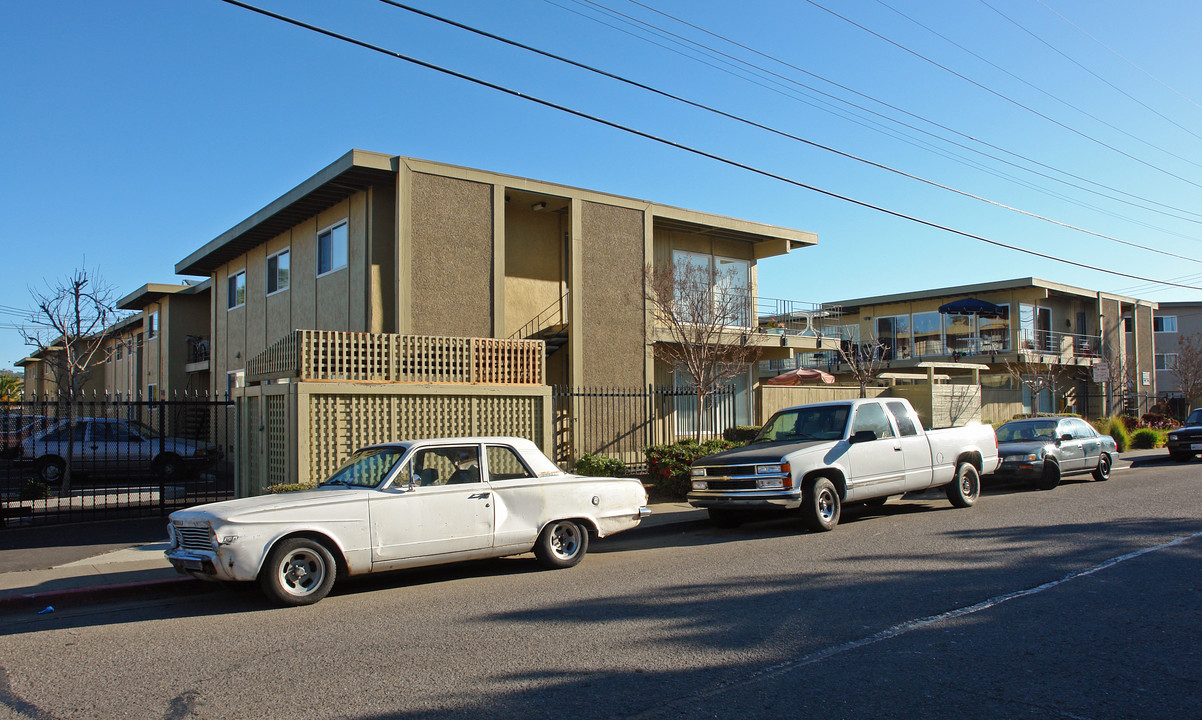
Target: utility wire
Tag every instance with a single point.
(1035, 87)
(1001, 96)
(680, 146)
(1120, 55)
(1101, 79)
(965, 136)
(766, 128)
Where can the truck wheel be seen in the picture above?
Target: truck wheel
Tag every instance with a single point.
(964, 491)
(1102, 471)
(820, 505)
(1050, 477)
(727, 519)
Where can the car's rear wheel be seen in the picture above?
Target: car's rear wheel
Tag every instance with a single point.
(1050, 477)
(561, 544)
(1102, 471)
(51, 469)
(167, 466)
(725, 518)
(964, 491)
(820, 505)
(298, 571)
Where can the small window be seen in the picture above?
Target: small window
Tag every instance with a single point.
(331, 249)
(1127, 324)
(1166, 361)
(237, 290)
(119, 346)
(1164, 323)
(233, 380)
(277, 272)
(905, 424)
(152, 325)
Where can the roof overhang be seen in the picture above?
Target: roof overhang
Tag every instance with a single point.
(147, 294)
(767, 240)
(349, 174)
(979, 288)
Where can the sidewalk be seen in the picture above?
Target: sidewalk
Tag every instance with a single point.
(141, 567)
(70, 566)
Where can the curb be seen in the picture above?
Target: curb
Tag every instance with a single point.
(69, 596)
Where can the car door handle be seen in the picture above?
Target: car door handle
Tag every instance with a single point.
(897, 448)
(478, 496)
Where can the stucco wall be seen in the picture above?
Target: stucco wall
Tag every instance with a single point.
(534, 264)
(613, 324)
(452, 257)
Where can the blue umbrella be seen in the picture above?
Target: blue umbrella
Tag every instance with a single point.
(971, 306)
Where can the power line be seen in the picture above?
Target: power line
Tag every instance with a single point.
(1001, 96)
(945, 128)
(1091, 72)
(766, 128)
(680, 146)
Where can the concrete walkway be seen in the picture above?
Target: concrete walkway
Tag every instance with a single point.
(138, 569)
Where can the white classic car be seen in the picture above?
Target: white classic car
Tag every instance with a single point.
(402, 505)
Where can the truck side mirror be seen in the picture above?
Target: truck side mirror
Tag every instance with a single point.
(862, 436)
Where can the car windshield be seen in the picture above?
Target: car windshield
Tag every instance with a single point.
(366, 468)
(822, 422)
(1195, 417)
(1027, 432)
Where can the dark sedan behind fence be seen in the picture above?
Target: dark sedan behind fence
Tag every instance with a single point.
(118, 458)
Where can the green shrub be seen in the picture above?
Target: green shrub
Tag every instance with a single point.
(1115, 428)
(596, 465)
(34, 489)
(741, 434)
(1146, 439)
(668, 465)
(286, 488)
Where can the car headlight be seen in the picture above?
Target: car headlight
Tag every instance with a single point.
(1173, 437)
(700, 485)
(773, 469)
(697, 472)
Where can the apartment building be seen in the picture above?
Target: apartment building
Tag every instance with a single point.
(1173, 322)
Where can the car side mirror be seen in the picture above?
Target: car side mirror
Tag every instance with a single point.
(1064, 437)
(862, 436)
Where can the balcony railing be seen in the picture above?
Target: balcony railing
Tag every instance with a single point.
(1066, 345)
(735, 309)
(380, 357)
(198, 348)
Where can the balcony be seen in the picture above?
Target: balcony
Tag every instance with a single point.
(380, 357)
(198, 354)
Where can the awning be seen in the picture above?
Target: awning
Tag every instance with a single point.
(972, 306)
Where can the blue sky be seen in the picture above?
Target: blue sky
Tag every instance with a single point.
(135, 132)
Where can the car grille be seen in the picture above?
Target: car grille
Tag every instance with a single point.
(730, 470)
(730, 484)
(194, 538)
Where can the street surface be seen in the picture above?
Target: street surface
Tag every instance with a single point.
(1081, 602)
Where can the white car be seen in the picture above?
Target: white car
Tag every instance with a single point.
(114, 447)
(402, 505)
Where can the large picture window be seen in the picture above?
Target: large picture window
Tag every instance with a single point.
(331, 248)
(1164, 323)
(928, 334)
(995, 331)
(893, 331)
(727, 281)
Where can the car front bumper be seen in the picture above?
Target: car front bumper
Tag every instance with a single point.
(746, 500)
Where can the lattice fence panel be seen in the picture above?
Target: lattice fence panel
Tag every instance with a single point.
(277, 439)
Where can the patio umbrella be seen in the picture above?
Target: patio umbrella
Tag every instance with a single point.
(800, 375)
(971, 306)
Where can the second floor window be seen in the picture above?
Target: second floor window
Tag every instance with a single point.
(237, 290)
(331, 248)
(1164, 323)
(1166, 361)
(152, 325)
(278, 274)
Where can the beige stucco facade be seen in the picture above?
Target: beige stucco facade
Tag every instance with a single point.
(153, 353)
(435, 249)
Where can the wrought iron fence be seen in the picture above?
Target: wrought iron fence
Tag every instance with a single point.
(621, 422)
(102, 458)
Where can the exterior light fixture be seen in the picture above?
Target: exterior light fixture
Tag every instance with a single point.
(538, 206)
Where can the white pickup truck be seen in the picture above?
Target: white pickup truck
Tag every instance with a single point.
(814, 458)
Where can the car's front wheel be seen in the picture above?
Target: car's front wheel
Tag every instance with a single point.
(51, 469)
(298, 571)
(820, 505)
(964, 491)
(1102, 471)
(1050, 477)
(561, 544)
(167, 466)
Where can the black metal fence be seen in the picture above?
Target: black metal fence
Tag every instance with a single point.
(621, 422)
(103, 458)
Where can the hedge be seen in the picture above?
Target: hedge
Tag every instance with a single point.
(596, 465)
(668, 465)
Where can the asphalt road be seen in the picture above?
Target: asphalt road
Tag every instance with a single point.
(1081, 602)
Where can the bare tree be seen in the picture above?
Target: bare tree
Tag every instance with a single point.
(1189, 368)
(709, 326)
(1036, 376)
(864, 360)
(1120, 379)
(68, 330)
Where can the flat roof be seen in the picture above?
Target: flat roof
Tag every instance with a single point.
(151, 292)
(359, 169)
(849, 305)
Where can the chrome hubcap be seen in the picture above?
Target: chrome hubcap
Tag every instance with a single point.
(826, 505)
(565, 540)
(301, 572)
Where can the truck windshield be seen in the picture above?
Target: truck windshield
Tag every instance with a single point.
(823, 422)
